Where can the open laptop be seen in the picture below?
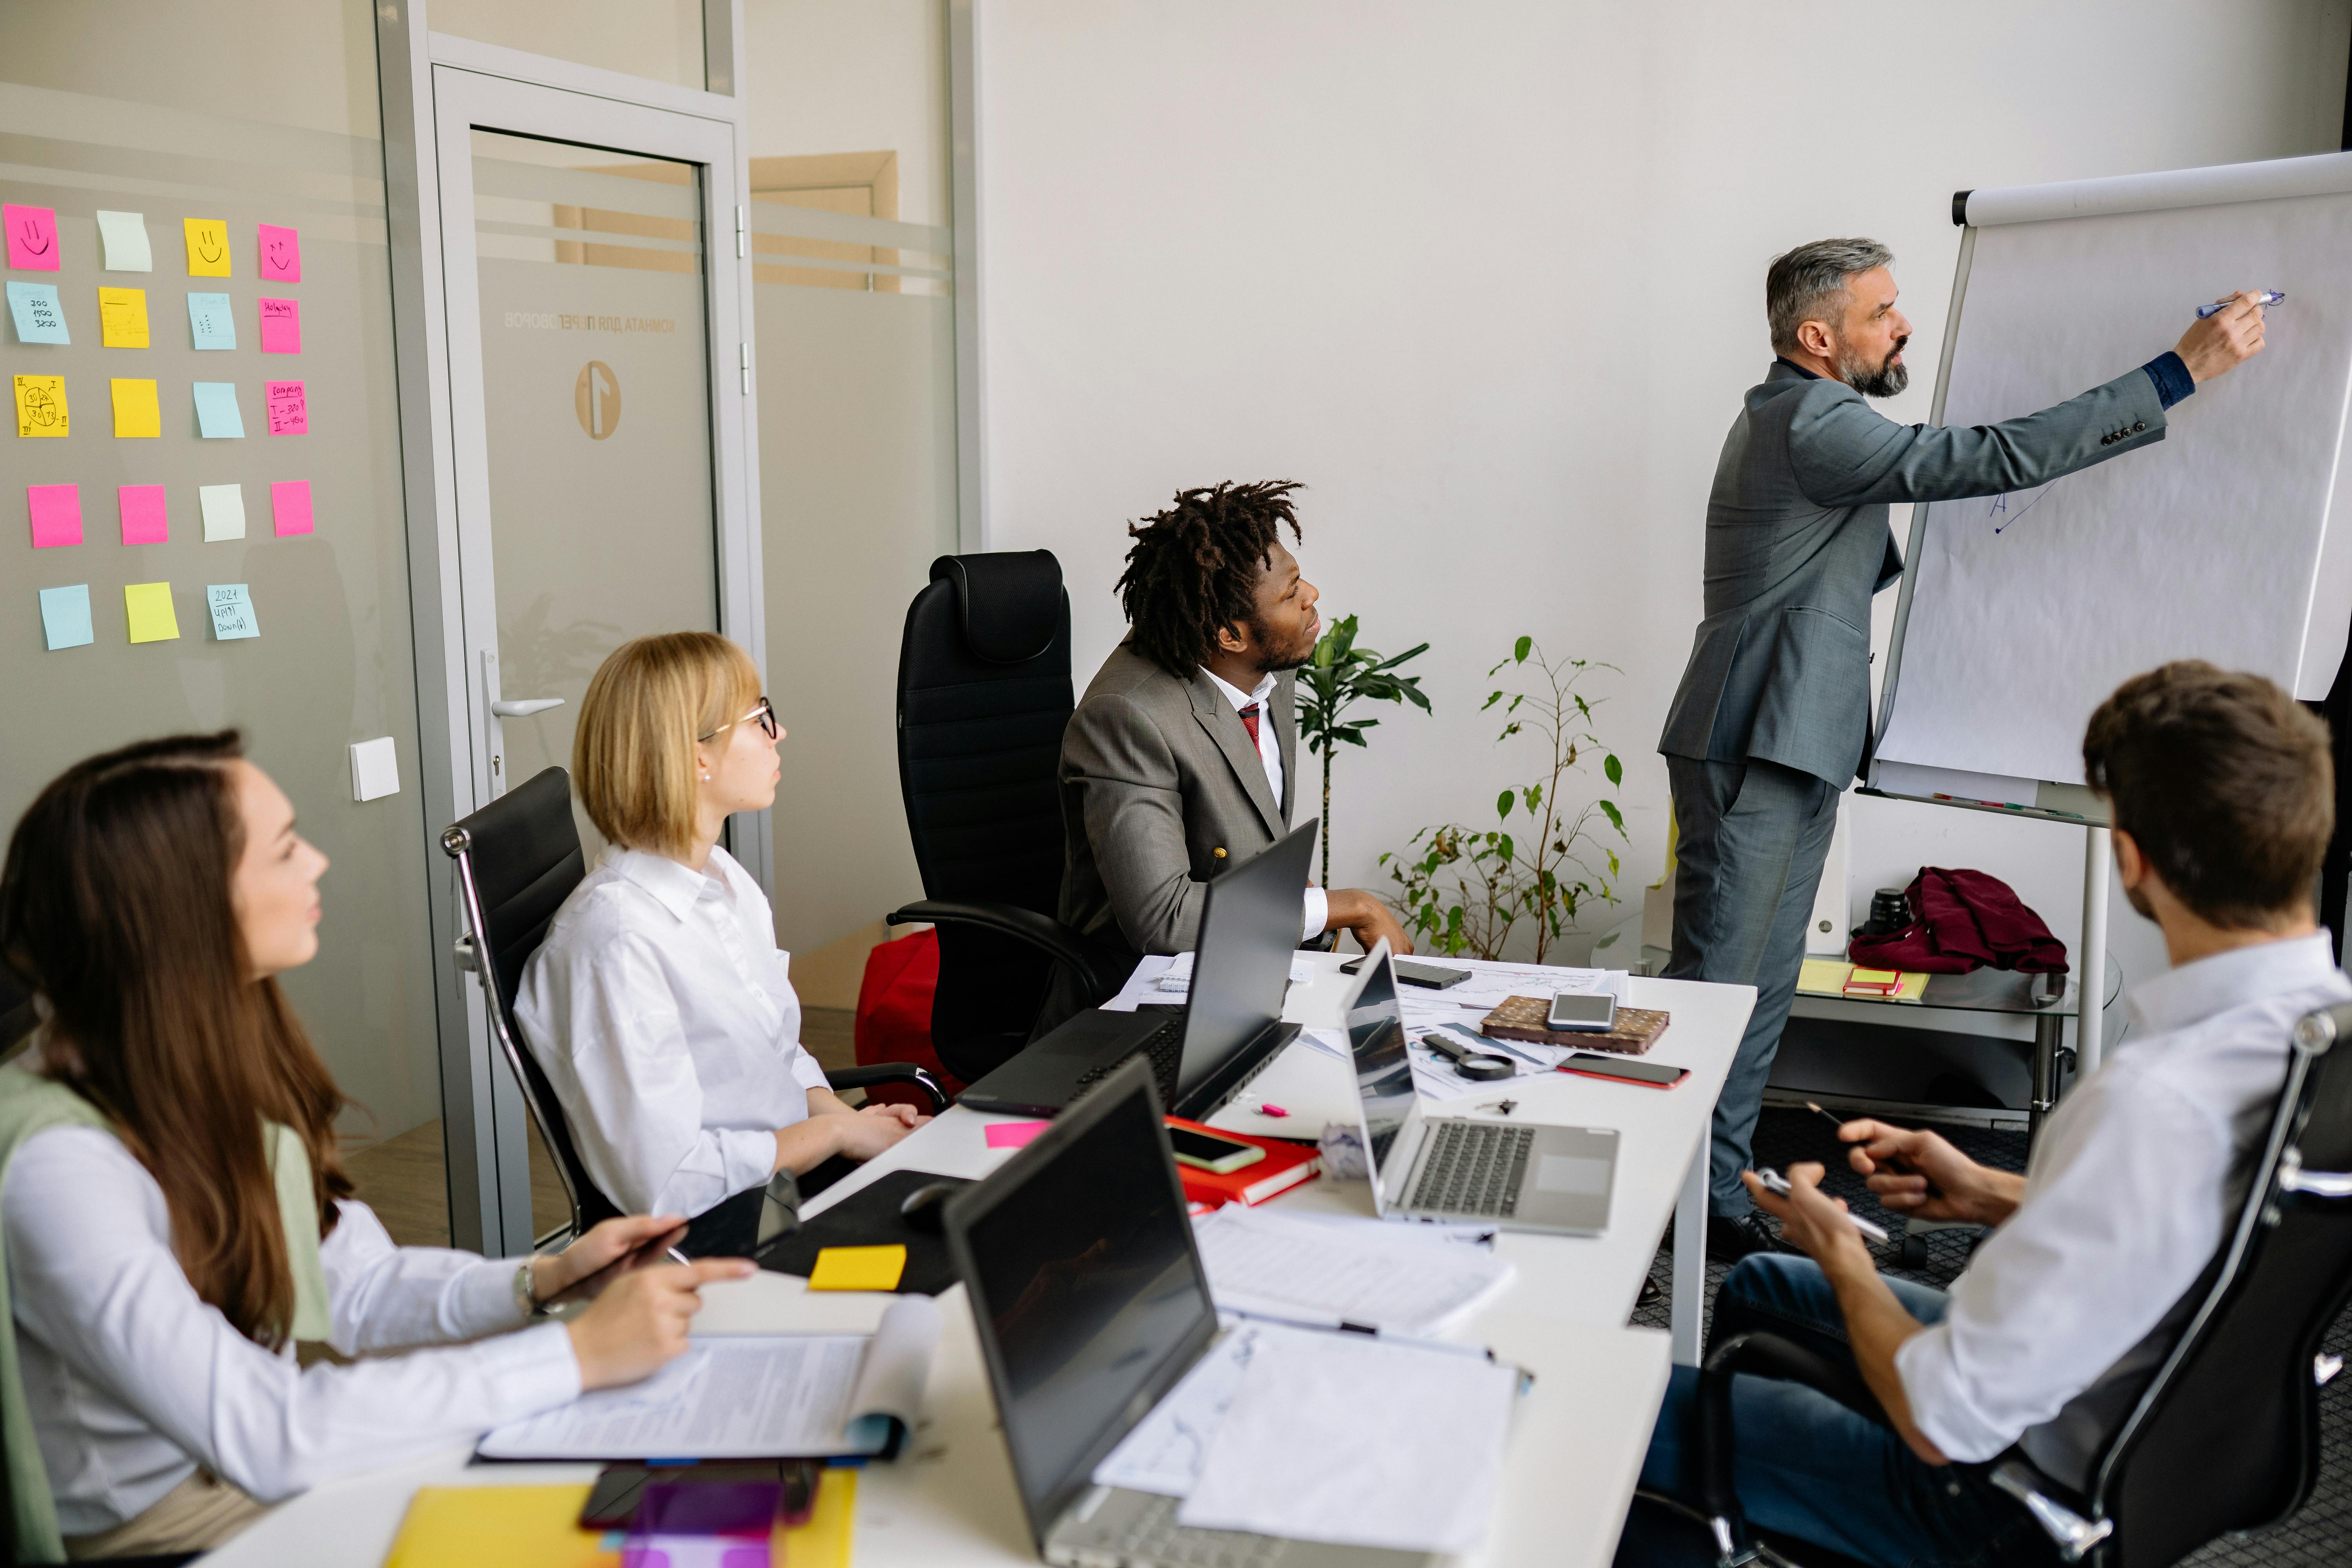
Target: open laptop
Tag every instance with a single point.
(1523, 1176)
(1229, 1028)
(1090, 1303)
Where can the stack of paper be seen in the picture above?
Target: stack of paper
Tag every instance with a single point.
(1358, 1271)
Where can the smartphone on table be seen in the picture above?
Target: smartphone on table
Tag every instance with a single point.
(1207, 1151)
(612, 1502)
(1411, 971)
(1627, 1069)
(1584, 1012)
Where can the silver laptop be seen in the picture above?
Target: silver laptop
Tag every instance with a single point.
(1522, 1176)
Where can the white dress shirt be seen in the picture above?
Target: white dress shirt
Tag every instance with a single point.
(133, 1380)
(2136, 1179)
(663, 1014)
(1269, 752)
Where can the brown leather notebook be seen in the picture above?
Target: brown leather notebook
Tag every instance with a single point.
(1522, 1018)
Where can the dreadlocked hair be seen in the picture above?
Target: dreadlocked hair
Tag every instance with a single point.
(1193, 568)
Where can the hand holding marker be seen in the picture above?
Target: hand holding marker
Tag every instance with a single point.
(2266, 298)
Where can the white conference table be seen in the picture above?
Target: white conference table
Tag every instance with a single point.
(1577, 1441)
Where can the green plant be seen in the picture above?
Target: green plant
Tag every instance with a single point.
(1341, 675)
(1466, 889)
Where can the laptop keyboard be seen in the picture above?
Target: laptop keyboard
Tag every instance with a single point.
(1473, 1167)
(1155, 1537)
(1163, 1048)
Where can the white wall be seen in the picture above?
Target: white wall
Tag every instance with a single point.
(1488, 278)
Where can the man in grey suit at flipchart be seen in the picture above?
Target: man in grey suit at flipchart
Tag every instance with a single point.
(1773, 713)
(1182, 758)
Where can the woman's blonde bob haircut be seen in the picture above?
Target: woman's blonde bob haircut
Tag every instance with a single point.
(633, 755)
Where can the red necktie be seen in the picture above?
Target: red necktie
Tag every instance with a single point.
(1249, 721)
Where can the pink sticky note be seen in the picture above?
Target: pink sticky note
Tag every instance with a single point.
(289, 414)
(281, 256)
(144, 521)
(1013, 1134)
(56, 514)
(281, 327)
(32, 237)
(290, 505)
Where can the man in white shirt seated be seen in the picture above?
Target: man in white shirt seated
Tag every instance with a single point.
(2223, 796)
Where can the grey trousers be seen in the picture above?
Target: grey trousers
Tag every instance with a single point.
(1753, 837)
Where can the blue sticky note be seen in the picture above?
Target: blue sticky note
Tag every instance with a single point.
(211, 321)
(65, 616)
(232, 609)
(217, 415)
(40, 316)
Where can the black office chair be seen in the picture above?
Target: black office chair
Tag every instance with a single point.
(983, 698)
(2225, 1436)
(518, 859)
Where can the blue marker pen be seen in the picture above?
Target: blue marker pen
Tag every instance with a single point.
(2266, 298)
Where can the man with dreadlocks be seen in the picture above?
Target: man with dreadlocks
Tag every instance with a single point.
(1180, 761)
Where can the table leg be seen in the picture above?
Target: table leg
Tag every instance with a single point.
(1690, 1258)
(2048, 1030)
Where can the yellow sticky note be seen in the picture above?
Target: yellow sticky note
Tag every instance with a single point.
(122, 318)
(150, 607)
(136, 412)
(853, 1267)
(41, 406)
(449, 1527)
(208, 246)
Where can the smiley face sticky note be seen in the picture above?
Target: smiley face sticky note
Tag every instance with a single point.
(281, 254)
(223, 510)
(208, 240)
(32, 237)
(289, 506)
(125, 238)
(149, 605)
(217, 418)
(232, 609)
(122, 318)
(857, 1268)
(41, 406)
(40, 315)
(290, 412)
(136, 412)
(144, 519)
(56, 514)
(65, 616)
(281, 327)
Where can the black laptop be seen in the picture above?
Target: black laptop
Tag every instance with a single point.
(1227, 1031)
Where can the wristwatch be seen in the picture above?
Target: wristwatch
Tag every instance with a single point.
(526, 1301)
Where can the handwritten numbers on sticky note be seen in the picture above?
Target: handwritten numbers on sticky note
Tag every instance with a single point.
(32, 237)
(208, 246)
(289, 506)
(210, 321)
(857, 1268)
(65, 616)
(56, 514)
(149, 606)
(281, 327)
(281, 254)
(40, 315)
(232, 609)
(217, 418)
(122, 318)
(124, 236)
(223, 510)
(135, 410)
(143, 519)
(41, 406)
(289, 414)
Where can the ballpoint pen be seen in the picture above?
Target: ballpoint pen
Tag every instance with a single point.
(2266, 298)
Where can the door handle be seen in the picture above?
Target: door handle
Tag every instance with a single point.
(524, 707)
(499, 707)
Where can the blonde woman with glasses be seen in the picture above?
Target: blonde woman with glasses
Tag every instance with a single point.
(659, 1004)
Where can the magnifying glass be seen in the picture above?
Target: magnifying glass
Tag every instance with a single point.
(1475, 1065)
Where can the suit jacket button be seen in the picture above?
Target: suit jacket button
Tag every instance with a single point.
(2107, 441)
(2140, 427)
(1219, 853)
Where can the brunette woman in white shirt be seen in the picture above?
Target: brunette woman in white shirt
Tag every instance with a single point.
(659, 1004)
(175, 1212)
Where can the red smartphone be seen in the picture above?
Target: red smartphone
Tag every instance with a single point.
(1625, 1070)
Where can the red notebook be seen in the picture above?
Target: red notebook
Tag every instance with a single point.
(1285, 1165)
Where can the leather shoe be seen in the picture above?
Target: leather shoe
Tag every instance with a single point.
(1729, 1240)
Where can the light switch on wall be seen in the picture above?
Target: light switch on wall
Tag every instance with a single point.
(375, 769)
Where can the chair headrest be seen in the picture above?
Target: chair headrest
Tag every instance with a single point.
(1008, 601)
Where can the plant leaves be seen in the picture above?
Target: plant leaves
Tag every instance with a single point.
(1519, 650)
(1502, 804)
(1615, 769)
(1616, 817)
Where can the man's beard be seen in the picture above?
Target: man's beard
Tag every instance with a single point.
(1272, 662)
(1884, 380)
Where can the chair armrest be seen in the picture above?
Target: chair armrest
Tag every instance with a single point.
(1760, 1355)
(1056, 941)
(891, 1072)
(2054, 1508)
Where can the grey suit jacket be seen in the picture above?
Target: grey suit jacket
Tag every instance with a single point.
(1798, 541)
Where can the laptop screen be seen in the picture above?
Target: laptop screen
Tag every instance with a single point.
(1249, 929)
(1383, 1071)
(1087, 1288)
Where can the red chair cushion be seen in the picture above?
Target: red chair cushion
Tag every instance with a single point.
(894, 1013)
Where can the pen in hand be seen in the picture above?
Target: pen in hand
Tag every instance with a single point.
(2267, 298)
(1899, 1167)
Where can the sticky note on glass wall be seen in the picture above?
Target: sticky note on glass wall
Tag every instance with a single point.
(143, 519)
(210, 321)
(216, 415)
(124, 236)
(208, 246)
(281, 254)
(281, 327)
(223, 510)
(32, 237)
(40, 315)
(289, 506)
(56, 514)
(65, 616)
(232, 609)
(136, 411)
(289, 414)
(122, 318)
(41, 406)
(149, 605)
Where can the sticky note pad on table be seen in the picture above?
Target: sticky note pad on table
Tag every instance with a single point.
(208, 246)
(289, 506)
(122, 318)
(32, 237)
(41, 406)
(281, 254)
(281, 326)
(40, 315)
(210, 321)
(223, 510)
(1013, 1134)
(216, 415)
(65, 616)
(144, 521)
(135, 410)
(149, 605)
(232, 609)
(289, 412)
(857, 1268)
(124, 234)
(56, 514)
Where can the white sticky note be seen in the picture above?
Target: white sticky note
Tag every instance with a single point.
(125, 236)
(375, 769)
(223, 510)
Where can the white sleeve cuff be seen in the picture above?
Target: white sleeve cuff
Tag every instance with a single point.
(1937, 1394)
(805, 1070)
(529, 1372)
(1318, 914)
(749, 1158)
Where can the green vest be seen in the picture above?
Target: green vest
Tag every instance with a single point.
(29, 1104)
